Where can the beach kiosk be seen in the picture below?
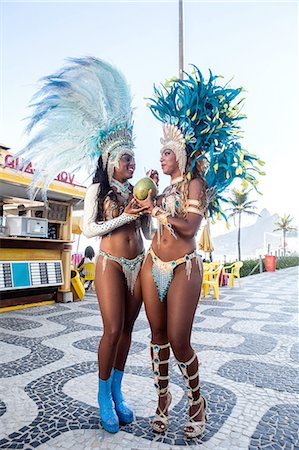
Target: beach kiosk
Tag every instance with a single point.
(35, 236)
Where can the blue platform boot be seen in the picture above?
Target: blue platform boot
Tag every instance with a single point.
(108, 415)
(124, 412)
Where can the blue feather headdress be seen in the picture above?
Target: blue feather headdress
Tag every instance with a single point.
(81, 112)
(202, 127)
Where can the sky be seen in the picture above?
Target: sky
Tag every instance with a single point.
(256, 43)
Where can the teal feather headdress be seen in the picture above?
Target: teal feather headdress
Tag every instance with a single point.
(81, 112)
(207, 117)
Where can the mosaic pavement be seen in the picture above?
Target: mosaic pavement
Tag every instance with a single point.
(247, 343)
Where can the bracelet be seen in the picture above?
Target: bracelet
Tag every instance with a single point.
(132, 216)
(155, 211)
(163, 218)
(160, 214)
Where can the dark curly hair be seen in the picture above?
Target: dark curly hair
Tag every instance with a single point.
(101, 177)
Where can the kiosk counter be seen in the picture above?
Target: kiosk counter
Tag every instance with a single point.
(35, 237)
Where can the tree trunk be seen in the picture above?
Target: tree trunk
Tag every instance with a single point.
(284, 241)
(239, 237)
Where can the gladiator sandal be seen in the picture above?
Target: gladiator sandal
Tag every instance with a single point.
(160, 421)
(193, 428)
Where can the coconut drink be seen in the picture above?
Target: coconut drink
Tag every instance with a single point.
(142, 188)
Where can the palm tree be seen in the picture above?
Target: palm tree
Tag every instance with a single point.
(284, 224)
(241, 205)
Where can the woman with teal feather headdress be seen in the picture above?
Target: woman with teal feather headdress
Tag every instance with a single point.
(202, 154)
(83, 117)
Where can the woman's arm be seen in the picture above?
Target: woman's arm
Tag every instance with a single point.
(196, 204)
(91, 228)
(187, 227)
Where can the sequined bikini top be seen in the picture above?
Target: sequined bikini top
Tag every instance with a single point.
(174, 197)
(112, 209)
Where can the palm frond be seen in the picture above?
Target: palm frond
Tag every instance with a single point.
(251, 213)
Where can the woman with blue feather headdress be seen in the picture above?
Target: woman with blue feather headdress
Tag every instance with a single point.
(83, 117)
(202, 154)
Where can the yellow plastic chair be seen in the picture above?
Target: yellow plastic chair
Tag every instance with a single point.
(89, 269)
(77, 287)
(206, 266)
(211, 280)
(234, 273)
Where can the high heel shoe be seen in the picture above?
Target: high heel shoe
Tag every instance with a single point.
(160, 421)
(193, 428)
(124, 412)
(108, 415)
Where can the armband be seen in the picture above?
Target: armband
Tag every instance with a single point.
(195, 207)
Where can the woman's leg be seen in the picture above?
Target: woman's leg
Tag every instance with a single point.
(110, 288)
(132, 308)
(111, 292)
(156, 312)
(182, 302)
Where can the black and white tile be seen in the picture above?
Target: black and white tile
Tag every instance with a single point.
(247, 344)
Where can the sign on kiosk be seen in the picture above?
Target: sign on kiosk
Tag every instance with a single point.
(8, 160)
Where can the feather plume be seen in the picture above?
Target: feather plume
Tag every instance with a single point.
(208, 115)
(74, 111)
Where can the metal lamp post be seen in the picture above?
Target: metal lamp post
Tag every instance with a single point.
(181, 39)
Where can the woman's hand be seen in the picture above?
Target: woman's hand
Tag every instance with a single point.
(134, 208)
(147, 204)
(153, 174)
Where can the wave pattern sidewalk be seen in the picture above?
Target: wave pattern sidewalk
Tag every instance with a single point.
(247, 343)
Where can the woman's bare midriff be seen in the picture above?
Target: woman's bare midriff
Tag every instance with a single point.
(171, 248)
(125, 241)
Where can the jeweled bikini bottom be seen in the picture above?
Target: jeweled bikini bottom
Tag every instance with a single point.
(163, 271)
(130, 267)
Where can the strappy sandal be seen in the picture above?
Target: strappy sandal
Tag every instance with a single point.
(198, 427)
(160, 421)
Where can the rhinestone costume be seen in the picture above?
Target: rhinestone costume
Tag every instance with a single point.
(163, 271)
(130, 267)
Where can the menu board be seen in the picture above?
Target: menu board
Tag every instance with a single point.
(29, 274)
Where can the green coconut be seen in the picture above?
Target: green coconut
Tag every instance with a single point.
(142, 187)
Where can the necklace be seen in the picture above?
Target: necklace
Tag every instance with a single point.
(177, 180)
(122, 188)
